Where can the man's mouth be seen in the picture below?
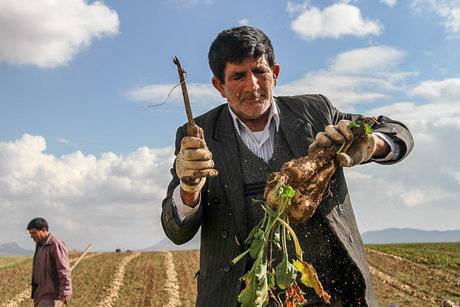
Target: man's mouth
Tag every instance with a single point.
(252, 97)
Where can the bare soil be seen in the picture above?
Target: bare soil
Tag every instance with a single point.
(397, 280)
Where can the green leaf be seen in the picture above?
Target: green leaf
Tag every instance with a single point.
(254, 231)
(238, 258)
(358, 124)
(288, 192)
(285, 273)
(368, 129)
(257, 244)
(255, 294)
(273, 213)
(354, 125)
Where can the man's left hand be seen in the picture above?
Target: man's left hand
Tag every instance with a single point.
(361, 149)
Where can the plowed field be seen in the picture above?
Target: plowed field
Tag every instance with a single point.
(402, 274)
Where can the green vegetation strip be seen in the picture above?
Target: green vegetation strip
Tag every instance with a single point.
(11, 262)
(428, 268)
(442, 254)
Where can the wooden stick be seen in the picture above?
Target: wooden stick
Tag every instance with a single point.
(81, 256)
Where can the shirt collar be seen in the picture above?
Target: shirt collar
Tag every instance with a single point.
(274, 114)
(43, 241)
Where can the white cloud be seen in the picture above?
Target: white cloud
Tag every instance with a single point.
(114, 199)
(190, 3)
(243, 22)
(368, 60)
(448, 10)
(445, 91)
(50, 33)
(334, 21)
(441, 111)
(390, 3)
(344, 90)
(356, 76)
(293, 7)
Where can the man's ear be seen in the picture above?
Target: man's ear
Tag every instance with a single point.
(276, 72)
(219, 86)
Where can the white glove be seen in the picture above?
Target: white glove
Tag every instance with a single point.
(361, 149)
(194, 163)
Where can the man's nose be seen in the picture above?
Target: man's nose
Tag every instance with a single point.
(251, 83)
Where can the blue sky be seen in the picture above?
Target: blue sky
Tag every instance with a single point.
(78, 148)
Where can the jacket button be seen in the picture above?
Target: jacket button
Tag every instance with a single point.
(227, 269)
(350, 237)
(340, 208)
(224, 234)
(216, 200)
(168, 217)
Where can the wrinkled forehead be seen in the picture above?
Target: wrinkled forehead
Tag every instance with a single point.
(248, 63)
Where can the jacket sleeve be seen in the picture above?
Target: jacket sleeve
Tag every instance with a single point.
(177, 231)
(63, 269)
(319, 112)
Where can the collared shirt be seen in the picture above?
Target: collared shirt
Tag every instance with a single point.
(259, 142)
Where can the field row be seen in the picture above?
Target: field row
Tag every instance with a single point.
(409, 276)
(115, 279)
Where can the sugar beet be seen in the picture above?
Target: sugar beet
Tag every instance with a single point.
(309, 177)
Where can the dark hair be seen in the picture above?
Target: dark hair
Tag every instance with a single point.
(234, 45)
(38, 223)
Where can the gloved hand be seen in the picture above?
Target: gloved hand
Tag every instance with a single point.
(360, 150)
(194, 163)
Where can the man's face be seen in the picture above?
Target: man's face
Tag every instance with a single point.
(38, 235)
(248, 87)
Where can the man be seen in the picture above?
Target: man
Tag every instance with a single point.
(51, 283)
(248, 138)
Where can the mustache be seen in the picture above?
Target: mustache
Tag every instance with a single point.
(252, 95)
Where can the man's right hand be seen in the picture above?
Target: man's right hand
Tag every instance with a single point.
(193, 164)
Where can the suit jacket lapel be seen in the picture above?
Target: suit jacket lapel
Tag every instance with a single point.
(298, 133)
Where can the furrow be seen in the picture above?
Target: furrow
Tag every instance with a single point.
(172, 283)
(111, 293)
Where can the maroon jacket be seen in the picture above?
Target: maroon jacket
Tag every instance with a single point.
(54, 270)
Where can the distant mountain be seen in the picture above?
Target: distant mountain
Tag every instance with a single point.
(167, 245)
(12, 249)
(390, 235)
(408, 235)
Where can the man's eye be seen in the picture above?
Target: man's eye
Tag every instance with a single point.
(260, 71)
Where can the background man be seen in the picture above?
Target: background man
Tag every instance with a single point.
(248, 138)
(51, 282)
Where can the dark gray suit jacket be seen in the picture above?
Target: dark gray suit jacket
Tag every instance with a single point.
(222, 214)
